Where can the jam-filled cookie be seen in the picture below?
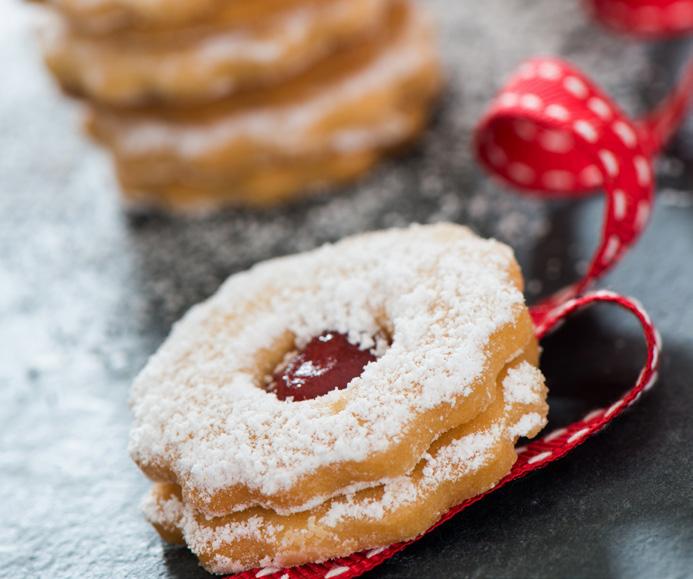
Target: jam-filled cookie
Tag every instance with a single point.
(463, 462)
(326, 126)
(429, 318)
(242, 45)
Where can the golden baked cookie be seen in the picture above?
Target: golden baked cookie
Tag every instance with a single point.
(326, 126)
(441, 310)
(462, 463)
(243, 45)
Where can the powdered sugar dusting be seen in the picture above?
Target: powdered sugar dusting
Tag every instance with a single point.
(256, 528)
(396, 493)
(164, 511)
(200, 538)
(438, 290)
(527, 424)
(521, 385)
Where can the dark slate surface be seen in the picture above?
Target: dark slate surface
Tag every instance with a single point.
(87, 293)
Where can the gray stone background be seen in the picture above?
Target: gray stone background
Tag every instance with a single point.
(88, 292)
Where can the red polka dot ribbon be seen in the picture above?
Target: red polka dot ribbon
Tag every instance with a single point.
(554, 133)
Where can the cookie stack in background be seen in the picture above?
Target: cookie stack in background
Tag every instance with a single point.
(205, 103)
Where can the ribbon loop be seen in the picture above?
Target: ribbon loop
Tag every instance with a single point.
(562, 441)
(552, 132)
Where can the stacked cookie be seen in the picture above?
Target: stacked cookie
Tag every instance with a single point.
(210, 102)
(403, 370)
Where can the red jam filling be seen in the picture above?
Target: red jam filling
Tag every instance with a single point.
(328, 362)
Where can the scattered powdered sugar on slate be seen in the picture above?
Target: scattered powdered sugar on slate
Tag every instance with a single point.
(87, 293)
(439, 290)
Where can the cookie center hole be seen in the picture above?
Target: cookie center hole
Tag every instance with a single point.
(328, 362)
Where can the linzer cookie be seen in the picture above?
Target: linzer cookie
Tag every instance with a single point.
(424, 417)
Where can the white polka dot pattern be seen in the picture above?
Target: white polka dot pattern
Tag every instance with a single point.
(551, 131)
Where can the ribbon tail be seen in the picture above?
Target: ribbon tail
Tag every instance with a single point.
(558, 443)
(659, 126)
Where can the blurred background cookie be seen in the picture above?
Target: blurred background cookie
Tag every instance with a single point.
(246, 104)
(326, 126)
